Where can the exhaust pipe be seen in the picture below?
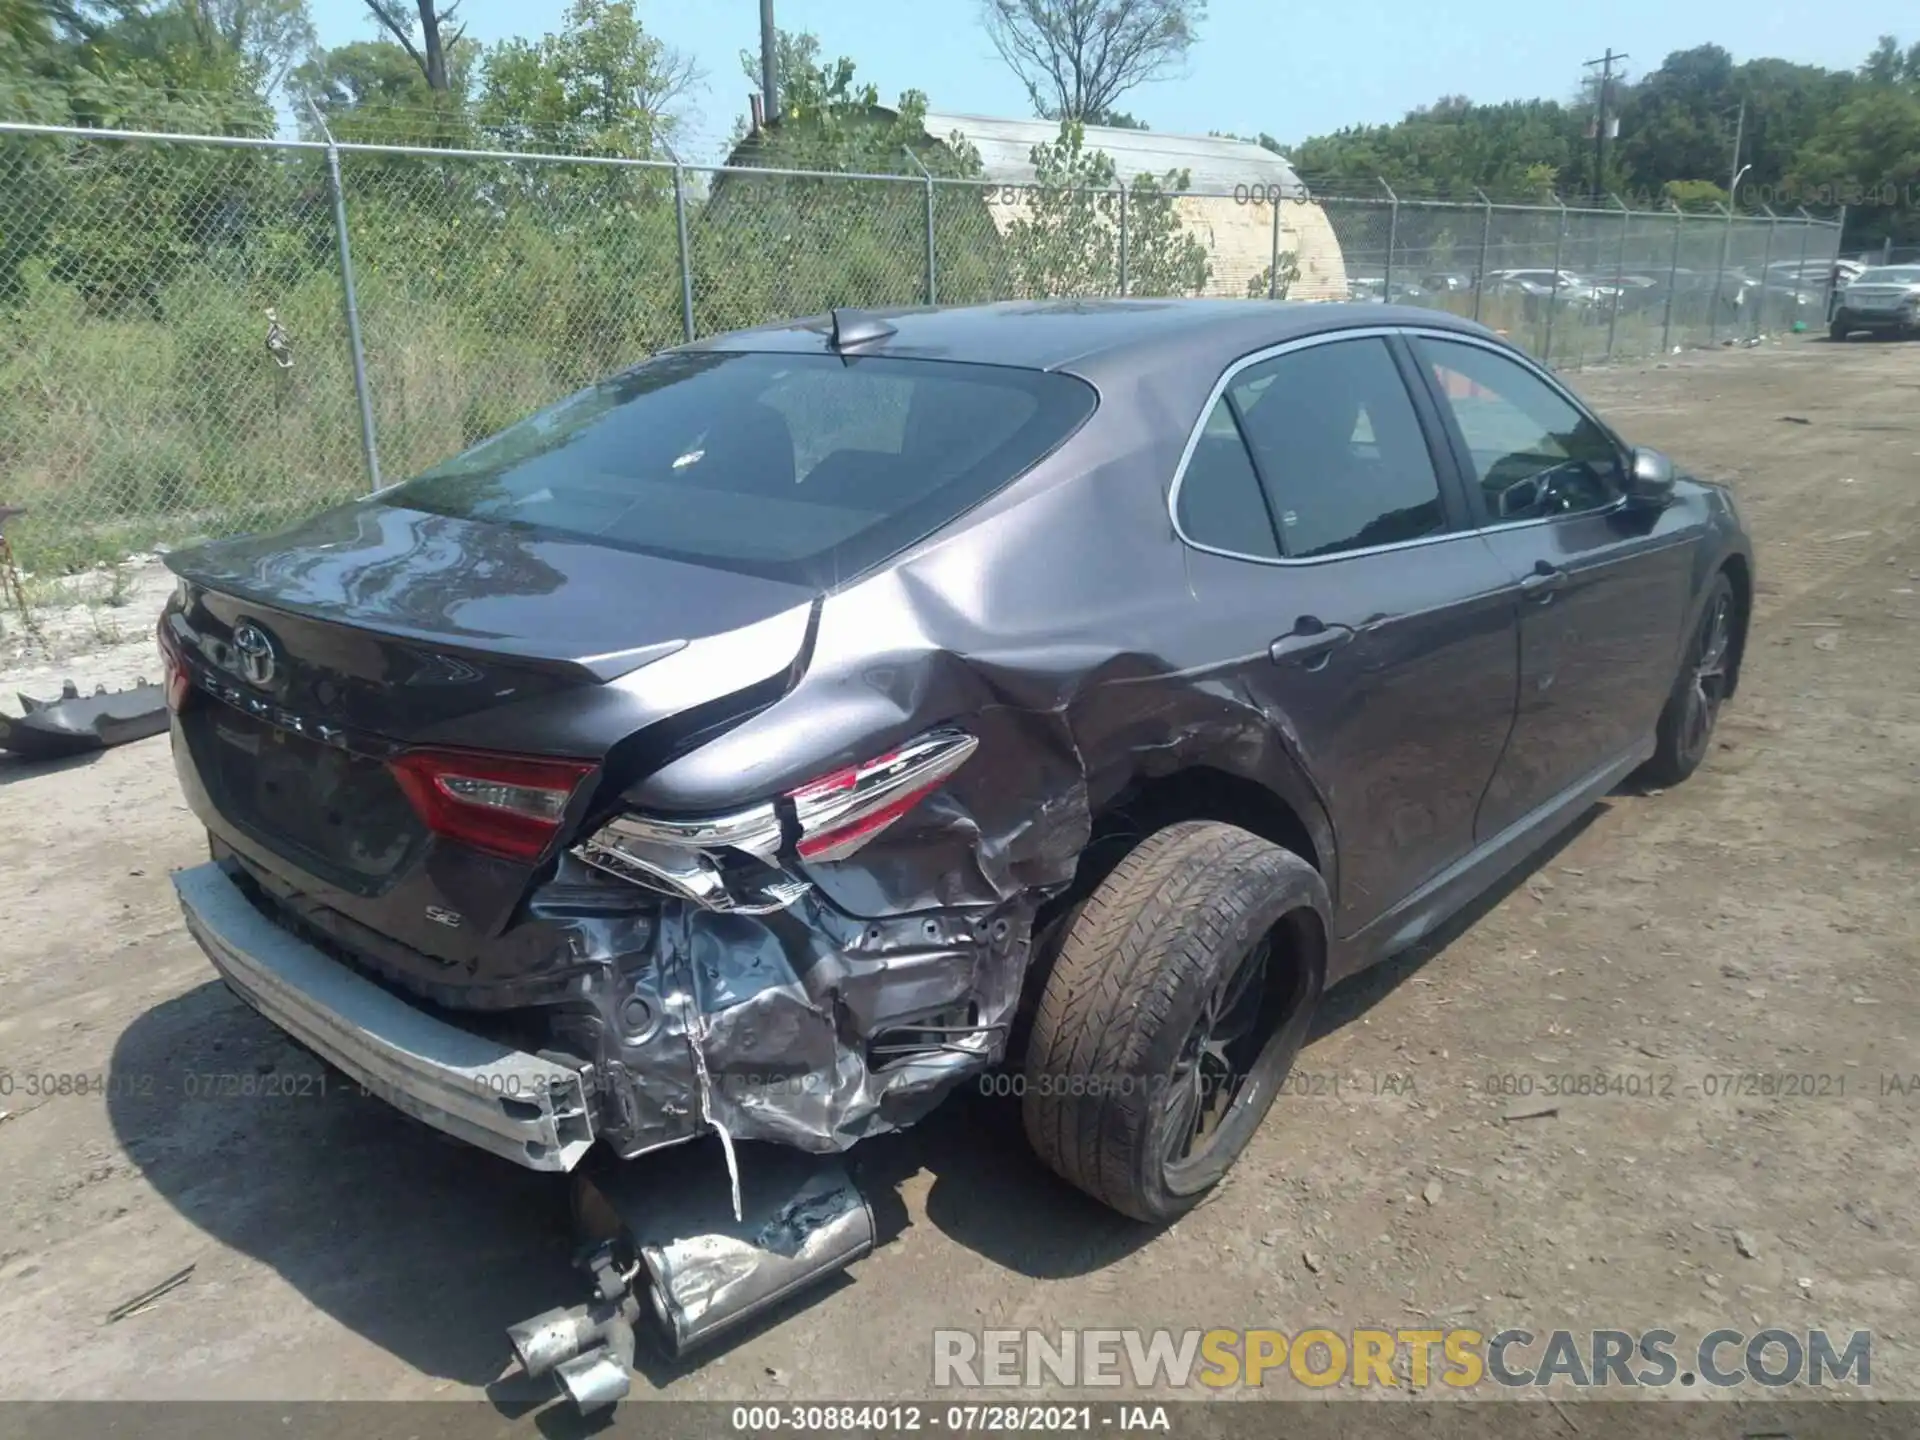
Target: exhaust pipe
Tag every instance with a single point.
(548, 1341)
(665, 1226)
(588, 1348)
(802, 1220)
(601, 1376)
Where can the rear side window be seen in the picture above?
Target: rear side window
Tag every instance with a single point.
(1339, 448)
(808, 468)
(1220, 502)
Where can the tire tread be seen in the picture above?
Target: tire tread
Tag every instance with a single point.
(1150, 930)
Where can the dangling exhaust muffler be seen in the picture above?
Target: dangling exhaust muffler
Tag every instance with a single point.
(665, 1227)
(802, 1219)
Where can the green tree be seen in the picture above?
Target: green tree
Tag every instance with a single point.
(1890, 65)
(600, 84)
(772, 246)
(1067, 242)
(269, 37)
(1693, 194)
(1867, 156)
(438, 42)
(1076, 58)
(1519, 148)
(371, 91)
(366, 75)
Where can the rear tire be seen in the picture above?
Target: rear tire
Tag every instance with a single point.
(1685, 732)
(1180, 995)
(1837, 331)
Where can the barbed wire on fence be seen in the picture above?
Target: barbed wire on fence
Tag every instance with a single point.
(213, 333)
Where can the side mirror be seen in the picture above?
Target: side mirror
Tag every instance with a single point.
(1649, 480)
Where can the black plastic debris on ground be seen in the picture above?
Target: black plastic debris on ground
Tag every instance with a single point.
(75, 724)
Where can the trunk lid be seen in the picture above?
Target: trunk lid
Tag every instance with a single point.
(558, 603)
(320, 653)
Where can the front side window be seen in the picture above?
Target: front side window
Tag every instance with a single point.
(1534, 454)
(809, 468)
(1339, 448)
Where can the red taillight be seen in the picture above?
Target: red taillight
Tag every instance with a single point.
(174, 678)
(504, 805)
(841, 812)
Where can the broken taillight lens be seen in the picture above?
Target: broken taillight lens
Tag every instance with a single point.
(510, 806)
(841, 812)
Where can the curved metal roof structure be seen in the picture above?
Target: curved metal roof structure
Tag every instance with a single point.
(1214, 164)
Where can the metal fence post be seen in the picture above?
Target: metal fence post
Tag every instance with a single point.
(1553, 297)
(686, 258)
(1486, 243)
(1393, 234)
(1673, 278)
(933, 288)
(1123, 238)
(1800, 274)
(1273, 259)
(1766, 260)
(1719, 277)
(1830, 289)
(368, 446)
(1619, 270)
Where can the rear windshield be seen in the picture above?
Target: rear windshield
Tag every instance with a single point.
(809, 468)
(1892, 275)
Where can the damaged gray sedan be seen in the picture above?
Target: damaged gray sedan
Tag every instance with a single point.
(762, 743)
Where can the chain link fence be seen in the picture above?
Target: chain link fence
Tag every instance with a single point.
(1584, 286)
(204, 335)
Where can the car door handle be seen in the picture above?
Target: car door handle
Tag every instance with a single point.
(1311, 644)
(1546, 579)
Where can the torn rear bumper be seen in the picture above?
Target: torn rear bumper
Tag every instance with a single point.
(527, 1109)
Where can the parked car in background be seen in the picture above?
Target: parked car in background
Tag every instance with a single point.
(1373, 290)
(1884, 301)
(1448, 282)
(1542, 291)
(1723, 296)
(1566, 282)
(1787, 302)
(1638, 292)
(1846, 270)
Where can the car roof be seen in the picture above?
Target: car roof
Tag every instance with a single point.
(1085, 336)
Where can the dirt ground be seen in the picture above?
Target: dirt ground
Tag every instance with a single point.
(1759, 921)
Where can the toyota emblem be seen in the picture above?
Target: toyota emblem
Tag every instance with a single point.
(253, 654)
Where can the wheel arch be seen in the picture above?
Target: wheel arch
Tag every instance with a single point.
(1280, 807)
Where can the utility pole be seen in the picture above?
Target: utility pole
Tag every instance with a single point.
(1605, 62)
(769, 49)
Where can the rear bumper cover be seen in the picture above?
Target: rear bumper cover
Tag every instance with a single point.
(525, 1108)
(787, 1028)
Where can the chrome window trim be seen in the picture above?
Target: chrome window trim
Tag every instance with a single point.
(1383, 332)
(1272, 352)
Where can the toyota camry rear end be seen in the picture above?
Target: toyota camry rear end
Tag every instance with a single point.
(448, 745)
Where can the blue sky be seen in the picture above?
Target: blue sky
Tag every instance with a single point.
(1289, 69)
